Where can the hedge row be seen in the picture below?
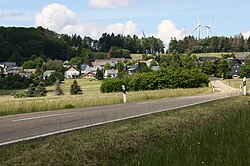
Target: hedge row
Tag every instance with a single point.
(165, 78)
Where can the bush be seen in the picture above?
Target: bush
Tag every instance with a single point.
(69, 106)
(75, 88)
(165, 78)
(38, 91)
(111, 85)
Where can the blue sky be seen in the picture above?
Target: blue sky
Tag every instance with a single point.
(161, 18)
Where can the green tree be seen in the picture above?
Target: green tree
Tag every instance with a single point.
(208, 67)
(58, 90)
(40, 90)
(31, 91)
(75, 88)
(99, 74)
(56, 65)
(120, 66)
(142, 68)
(223, 68)
(107, 66)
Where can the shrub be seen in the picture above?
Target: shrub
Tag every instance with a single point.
(111, 85)
(69, 106)
(75, 88)
(165, 78)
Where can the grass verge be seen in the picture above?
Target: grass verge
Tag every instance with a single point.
(236, 83)
(91, 97)
(214, 133)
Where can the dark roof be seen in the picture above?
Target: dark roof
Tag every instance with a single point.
(208, 58)
(134, 67)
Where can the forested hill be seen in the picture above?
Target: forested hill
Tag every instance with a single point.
(212, 44)
(20, 44)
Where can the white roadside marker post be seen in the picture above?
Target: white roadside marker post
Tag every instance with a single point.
(244, 86)
(124, 93)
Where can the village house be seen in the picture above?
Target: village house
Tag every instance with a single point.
(7, 65)
(111, 73)
(203, 59)
(91, 73)
(71, 72)
(47, 74)
(99, 63)
(133, 69)
(85, 69)
(30, 71)
(13, 70)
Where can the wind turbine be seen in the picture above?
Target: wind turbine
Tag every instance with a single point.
(143, 33)
(198, 27)
(208, 27)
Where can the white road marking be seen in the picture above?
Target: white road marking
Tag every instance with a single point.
(101, 123)
(41, 117)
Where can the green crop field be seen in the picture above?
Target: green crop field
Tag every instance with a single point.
(91, 97)
(214, 133)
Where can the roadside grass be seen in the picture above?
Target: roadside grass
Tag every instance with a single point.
(214, 133)
(91, 97)
(236, 83)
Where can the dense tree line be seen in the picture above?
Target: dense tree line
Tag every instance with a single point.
(20, 44)
(212, 44)
(14, 82)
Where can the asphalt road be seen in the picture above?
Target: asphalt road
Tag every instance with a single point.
(17, 128)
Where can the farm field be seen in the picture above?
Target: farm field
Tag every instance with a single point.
(91, 97)
(236, 83)
(214, 133)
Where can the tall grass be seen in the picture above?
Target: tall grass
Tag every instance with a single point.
(214, 133)
(91, 97)
(220, 142)
(236, 83)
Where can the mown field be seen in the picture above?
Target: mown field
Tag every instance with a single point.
(214, 133)
(91, 97)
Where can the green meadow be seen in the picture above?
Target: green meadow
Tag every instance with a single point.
(91, 97)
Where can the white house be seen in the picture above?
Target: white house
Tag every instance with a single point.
(71, 72)
(111, 73)
(85, 69)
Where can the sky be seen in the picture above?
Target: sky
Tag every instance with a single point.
(160, 18)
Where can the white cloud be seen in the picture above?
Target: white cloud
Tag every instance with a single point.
(59, 18)
(129, 28)
(110, 3)
(246, 34)
(55, 16)
(167, 29)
